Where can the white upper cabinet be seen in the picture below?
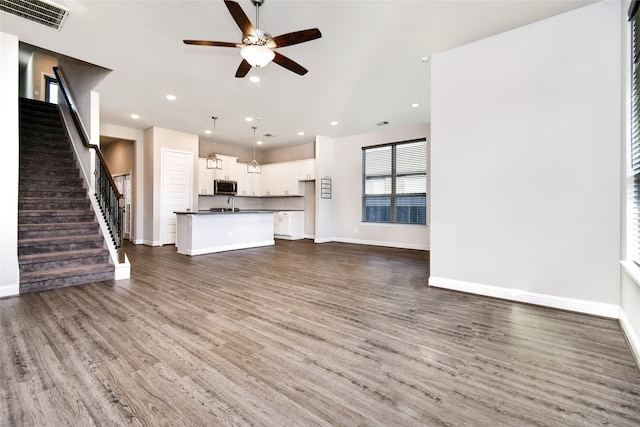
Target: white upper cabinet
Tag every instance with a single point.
(248, 183)
(306, 170)
(229, 168)
(268, 178)
(276, 179)
(280, 179)
(205, 178)
(290, 181)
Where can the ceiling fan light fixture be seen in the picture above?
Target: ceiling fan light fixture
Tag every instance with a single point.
(256, 55)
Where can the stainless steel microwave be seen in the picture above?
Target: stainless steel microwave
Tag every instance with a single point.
(227, 188)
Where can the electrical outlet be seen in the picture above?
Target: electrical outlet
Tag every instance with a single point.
(230, 234)
(356, 230)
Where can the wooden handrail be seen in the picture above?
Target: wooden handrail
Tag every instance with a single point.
(62, 83)
(105, 198)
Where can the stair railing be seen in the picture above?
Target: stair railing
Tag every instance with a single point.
(110, 200)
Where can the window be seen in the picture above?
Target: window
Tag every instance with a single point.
(633, 180)
(51, 89)
(394, 183)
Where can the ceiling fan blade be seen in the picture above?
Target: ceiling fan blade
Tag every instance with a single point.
(210, 43)
(290, 65)
(240, 17)
(296, 37)
(243, 69)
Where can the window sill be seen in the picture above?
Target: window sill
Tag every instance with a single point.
(632, 269)
(391, 224)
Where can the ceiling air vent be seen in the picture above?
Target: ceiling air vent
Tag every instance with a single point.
(42, 12)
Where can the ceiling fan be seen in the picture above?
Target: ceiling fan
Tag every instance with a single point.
(257, 47)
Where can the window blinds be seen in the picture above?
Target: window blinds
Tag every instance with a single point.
(395, 182)
(633, 185)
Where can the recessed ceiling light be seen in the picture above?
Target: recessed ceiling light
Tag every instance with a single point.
(249, 119)
(259, 142)
(425, 59)
(415, 105)
(300, 133)
(254, 79)
(207, 131)
(171, 97)
(334, 123)
(135, 116)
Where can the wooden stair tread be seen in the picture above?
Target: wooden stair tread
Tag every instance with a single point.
(55, 225)
(59, 239)
(78, 253)
(56, 211)
(66, 271)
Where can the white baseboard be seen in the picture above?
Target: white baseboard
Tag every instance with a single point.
(581, 306)
(382, 243)
(631, 336)
(371, 243)
(324, 239)
(10, 290)
(151, 243)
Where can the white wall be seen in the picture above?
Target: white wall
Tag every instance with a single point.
(526, 163)
(9, 162)
(341, 217)
(138, 190)
(630, 280)
(324, 207)
(82, 78)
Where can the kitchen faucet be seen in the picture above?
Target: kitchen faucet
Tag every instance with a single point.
(233, 203)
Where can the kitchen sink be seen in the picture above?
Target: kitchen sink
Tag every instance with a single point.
(224, 210)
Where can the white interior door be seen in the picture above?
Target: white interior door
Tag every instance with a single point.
(177, 188)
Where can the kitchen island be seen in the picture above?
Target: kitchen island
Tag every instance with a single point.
(206, 232)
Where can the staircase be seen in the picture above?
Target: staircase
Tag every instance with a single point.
(59, 240)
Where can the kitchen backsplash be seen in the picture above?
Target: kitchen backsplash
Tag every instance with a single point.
(271, 203)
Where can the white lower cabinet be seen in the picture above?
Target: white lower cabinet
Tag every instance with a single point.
(289, 225)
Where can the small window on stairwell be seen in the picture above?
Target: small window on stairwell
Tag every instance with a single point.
(51, 89)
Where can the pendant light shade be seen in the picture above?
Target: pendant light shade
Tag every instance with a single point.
(254, 166)
(213, 161)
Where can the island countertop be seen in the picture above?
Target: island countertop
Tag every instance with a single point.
(226, 212)
(204, 232)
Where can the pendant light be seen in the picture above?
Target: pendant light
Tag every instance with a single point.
(254, 166)
(213, 161)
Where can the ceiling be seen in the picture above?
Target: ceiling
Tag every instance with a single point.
(367, 68)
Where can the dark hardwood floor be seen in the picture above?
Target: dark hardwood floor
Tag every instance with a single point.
(303, 334)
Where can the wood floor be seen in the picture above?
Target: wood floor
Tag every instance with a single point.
(303, 334)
